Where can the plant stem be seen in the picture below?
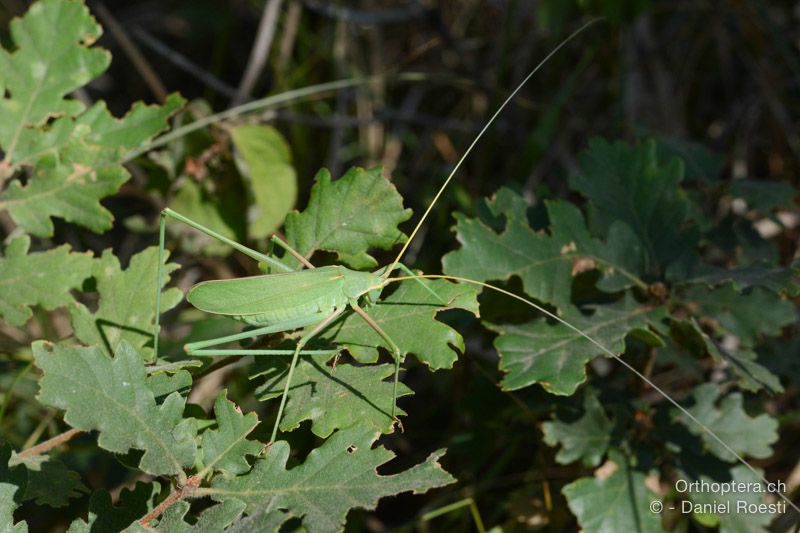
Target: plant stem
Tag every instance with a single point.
(49, 444)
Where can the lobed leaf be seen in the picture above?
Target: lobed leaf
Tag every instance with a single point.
(39, 278)
(586, 439)
(105, 516)
(11, 485)
(626, 184)
(338, 476)
(544, 263)
(746, 435)
(331, 398)
(72, 176)
(46, 66)
(111, 396)
(359, 211)
(48, 481)
(735, 521)
(216, 518)
(127, 303)
(224, 449)
(555, 356)
(408, 317)
(747, 316)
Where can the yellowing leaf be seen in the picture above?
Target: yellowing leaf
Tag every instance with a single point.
(273, 181)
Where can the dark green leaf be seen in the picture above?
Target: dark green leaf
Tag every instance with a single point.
(619, 502)
(408, 317)
(359, 211)
(111, 396)
(331, 398)
(746, 435)
(336, 477)
(49, 481)
(626, 184)
(105, 517)
(747, 316)
(586, 439)
(555, 356)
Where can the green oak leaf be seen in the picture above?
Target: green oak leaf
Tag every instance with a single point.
(263, 521)
(76, 158)
(586, 439)
(338, 476)
(762, 274)
(105, 516)
(736, 521)
(701, 164)
(46, 66)
(746, 435)
(544, 263)
(49, 481)
(408, 317)
(72, 175)
(11, 488)
(216, 518)
(224, 448)
(359, 211)
(753, 376)
(331, 398)
(111, 396)
(127, 303)
(747, 316)
(39, 278)
(626, 184)
(619, 502)
(266, 161)
(555, 356)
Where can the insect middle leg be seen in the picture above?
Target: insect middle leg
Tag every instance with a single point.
(297, 350)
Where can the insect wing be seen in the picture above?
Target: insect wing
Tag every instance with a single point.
(260, 294)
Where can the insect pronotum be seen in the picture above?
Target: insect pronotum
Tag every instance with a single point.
(315, 297)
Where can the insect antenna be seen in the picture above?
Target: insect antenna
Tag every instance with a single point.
(610, 353)
(486, 126)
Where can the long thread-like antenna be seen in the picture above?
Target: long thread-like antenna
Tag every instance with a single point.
(606, 351)
(486, 126)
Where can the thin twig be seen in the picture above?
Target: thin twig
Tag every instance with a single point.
(260, 51)
(183, 492)
(49, 444)
(180, 61)
(137, 58)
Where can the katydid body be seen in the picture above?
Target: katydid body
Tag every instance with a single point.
(280, 302)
